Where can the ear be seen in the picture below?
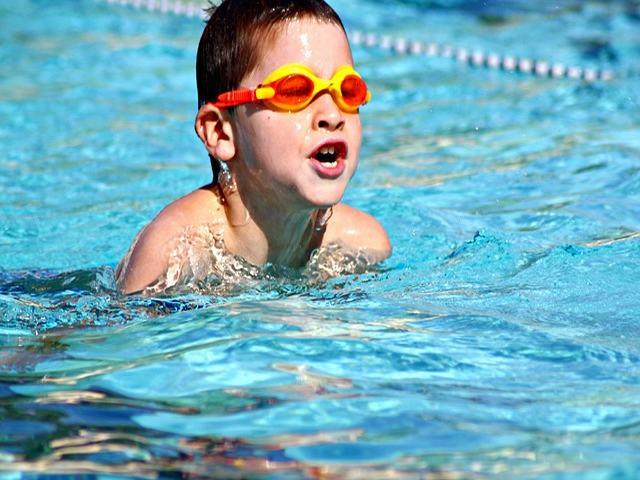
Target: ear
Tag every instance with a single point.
(213, 127)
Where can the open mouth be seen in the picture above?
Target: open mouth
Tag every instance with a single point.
(329, 154)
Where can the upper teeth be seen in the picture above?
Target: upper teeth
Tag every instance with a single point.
(328, 150)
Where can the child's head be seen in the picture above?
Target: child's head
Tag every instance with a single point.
(304, 153)
(239, 33)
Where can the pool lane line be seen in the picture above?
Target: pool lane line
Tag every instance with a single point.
(472, 58)
(479, 59)
(176, 7)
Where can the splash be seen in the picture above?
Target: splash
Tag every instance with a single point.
(200, 274)
(199, 263)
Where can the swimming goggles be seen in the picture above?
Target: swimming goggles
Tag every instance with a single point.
(293, 87)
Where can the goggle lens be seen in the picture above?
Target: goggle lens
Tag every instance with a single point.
(353, 90)
(293, 90)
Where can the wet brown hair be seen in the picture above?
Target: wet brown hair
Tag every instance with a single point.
(237, 35)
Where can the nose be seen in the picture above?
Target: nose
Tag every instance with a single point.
(326, 114)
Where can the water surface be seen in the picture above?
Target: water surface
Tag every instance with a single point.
(500, 340)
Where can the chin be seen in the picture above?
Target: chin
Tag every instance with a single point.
(325, 197)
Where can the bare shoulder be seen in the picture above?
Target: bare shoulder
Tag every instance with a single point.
(148, 256)
(357, 230)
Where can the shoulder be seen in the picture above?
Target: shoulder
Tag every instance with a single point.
(358, 230)
(148, 256)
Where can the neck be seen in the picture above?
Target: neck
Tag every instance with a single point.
(273, 232)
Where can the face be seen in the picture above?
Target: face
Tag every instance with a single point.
(299, 159)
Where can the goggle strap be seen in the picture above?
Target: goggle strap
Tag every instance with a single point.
(236, 97)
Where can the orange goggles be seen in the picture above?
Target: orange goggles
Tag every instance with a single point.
(293, 87)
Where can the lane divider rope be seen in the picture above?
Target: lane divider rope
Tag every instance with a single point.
(479, 59)
(473, 58)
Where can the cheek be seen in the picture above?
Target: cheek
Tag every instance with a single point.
(271, 136)
(284, 132)
(358, 130)
(254, 133)
(267, 137)
(355, 127)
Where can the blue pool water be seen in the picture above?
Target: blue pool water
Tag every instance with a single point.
(501, 339)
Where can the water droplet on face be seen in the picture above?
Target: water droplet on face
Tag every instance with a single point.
(306, 47)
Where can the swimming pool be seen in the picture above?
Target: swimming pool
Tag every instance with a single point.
(499, 341)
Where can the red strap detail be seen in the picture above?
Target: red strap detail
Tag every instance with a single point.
(236, 97)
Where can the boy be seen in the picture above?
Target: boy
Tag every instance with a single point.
(283, 143)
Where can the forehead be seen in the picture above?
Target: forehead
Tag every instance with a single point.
(321, 46)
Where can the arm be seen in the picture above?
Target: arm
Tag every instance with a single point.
(149, 256)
